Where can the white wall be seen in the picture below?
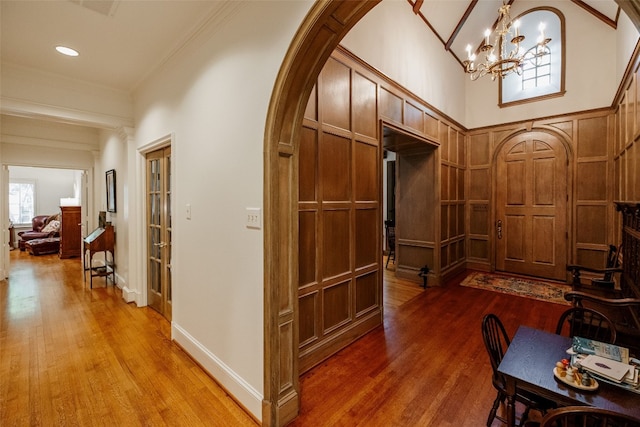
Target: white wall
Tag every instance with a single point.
(51, 185)
(113, 155)
(213, 99)
(590, 54)
(394, 40)
(627, 38)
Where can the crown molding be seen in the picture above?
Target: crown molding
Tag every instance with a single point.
(46, 112)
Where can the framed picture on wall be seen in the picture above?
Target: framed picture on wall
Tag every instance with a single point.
(111, 190)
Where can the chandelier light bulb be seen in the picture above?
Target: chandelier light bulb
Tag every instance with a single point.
(487, 33)
(541, 27)
(516, 26)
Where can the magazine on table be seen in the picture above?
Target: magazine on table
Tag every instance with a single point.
(602, 349)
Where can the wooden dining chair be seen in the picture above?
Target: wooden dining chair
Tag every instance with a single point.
(586, 323)
(390, 231)
(578, 416)
(497, 341)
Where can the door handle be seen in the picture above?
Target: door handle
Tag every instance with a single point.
(160, 245)
(499, 228)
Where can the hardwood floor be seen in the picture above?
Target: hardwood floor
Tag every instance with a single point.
(397, 292)
(426, 366)
(71, 356)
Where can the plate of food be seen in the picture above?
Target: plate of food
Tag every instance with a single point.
(576, 380)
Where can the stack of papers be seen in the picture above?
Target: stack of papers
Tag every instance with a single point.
(610, 369)
(608, 362)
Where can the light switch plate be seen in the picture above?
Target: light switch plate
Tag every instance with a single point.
(254, 218)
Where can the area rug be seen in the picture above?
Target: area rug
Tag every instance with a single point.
(528, 288)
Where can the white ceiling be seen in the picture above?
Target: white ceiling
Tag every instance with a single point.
(122, 41)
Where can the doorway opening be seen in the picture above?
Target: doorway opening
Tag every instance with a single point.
(414, 192)
(41, 192)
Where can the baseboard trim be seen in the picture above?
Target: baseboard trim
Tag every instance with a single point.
(129, 295)
(239, 390)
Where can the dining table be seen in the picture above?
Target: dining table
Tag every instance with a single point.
(528, 365)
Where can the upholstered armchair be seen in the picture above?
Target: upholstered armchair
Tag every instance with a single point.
(42, 226)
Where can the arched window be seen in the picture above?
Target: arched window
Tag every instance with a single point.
(543, 68)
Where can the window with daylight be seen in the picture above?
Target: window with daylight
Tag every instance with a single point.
(543, 67)
(536, 69)
(22, 205)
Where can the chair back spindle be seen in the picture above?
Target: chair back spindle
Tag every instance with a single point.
(586, 323)
(578, 416)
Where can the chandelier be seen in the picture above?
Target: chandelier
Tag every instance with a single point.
(499, 61)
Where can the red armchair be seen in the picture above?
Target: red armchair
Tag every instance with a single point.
(42, 226)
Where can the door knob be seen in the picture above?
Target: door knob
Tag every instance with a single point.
(160, 245)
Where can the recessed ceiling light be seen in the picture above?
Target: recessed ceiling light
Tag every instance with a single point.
(67, 51)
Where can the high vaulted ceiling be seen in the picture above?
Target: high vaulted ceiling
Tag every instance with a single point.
(460, 22)
(122, 41)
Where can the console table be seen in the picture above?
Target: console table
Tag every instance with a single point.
(101, 240)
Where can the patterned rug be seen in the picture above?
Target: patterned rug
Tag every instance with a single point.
(540, 290)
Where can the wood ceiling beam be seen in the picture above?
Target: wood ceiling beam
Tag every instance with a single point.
(461, 23)
(601, 16)
(417, 5)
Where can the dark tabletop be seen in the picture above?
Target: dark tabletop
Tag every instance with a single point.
(530, 360)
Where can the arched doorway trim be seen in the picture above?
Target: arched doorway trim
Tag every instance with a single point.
(546, 129)
(322, 29)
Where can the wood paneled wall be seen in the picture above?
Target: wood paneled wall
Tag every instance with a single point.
(627, 146)
(452, 193)
(340, 202)
(452, 221)
(339, 208)
(590, 229)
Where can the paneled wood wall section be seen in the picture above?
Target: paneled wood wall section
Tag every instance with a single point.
(340, 283)
(627, 145)
(590, 228)
(452, 193)
(340, 202)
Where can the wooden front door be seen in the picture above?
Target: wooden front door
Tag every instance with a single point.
(159, 231)
(531, 206)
